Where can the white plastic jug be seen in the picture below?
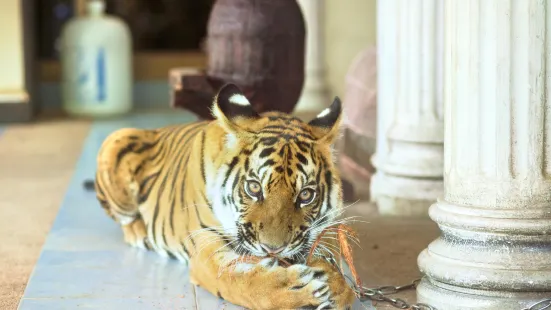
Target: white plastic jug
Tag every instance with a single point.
(96, 57)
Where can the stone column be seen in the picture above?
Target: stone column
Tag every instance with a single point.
(315, 95)
(386, 79)
(494, 251)
(17, 60)
(409, 157)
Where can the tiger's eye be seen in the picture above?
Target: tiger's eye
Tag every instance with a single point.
(254, 188)
(306, 195)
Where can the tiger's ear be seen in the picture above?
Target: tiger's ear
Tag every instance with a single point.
(326, 125)
(230, 106)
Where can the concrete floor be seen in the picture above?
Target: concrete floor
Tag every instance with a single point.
(42, 158)
(36, 164)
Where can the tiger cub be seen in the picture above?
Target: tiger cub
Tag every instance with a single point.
(214, 193)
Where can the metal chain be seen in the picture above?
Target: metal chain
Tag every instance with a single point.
(380, 294)
(541, 305)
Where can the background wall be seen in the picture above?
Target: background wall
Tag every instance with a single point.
(350, 26)
(12, 78)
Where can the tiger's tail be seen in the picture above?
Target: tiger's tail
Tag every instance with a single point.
(89, 185)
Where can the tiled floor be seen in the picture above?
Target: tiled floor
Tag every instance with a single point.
(84, 262)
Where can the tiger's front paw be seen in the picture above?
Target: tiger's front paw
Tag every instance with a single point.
(295, 287)
(268, 286)
(340, 294)
(317, 287)
(309, 287)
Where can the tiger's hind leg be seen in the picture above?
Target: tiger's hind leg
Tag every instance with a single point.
(131, 221)
(134, 230)
(133, 227)
(135, 234)
(122, 162)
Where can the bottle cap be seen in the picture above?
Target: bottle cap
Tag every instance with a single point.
(96, 7)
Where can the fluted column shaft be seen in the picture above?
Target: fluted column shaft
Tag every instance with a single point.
(409, 157)
(494, 251)
(315, 95)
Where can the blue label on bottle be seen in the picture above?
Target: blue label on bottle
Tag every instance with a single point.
(91, 78)
(100, 75)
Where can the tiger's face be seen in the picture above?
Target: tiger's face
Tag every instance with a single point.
(277, 187)
(285, 189)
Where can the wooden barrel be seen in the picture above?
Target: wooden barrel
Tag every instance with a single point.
(260, 46)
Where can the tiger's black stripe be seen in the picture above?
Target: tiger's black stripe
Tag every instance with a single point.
(202, 158)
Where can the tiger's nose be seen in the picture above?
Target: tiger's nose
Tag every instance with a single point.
(271, 250)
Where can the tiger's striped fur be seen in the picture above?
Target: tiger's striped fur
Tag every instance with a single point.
(187, 192)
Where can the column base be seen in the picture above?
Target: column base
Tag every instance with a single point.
(487, 258)
(402, 196)
(447, 297)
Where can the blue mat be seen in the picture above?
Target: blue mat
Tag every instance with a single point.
(86, 264)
